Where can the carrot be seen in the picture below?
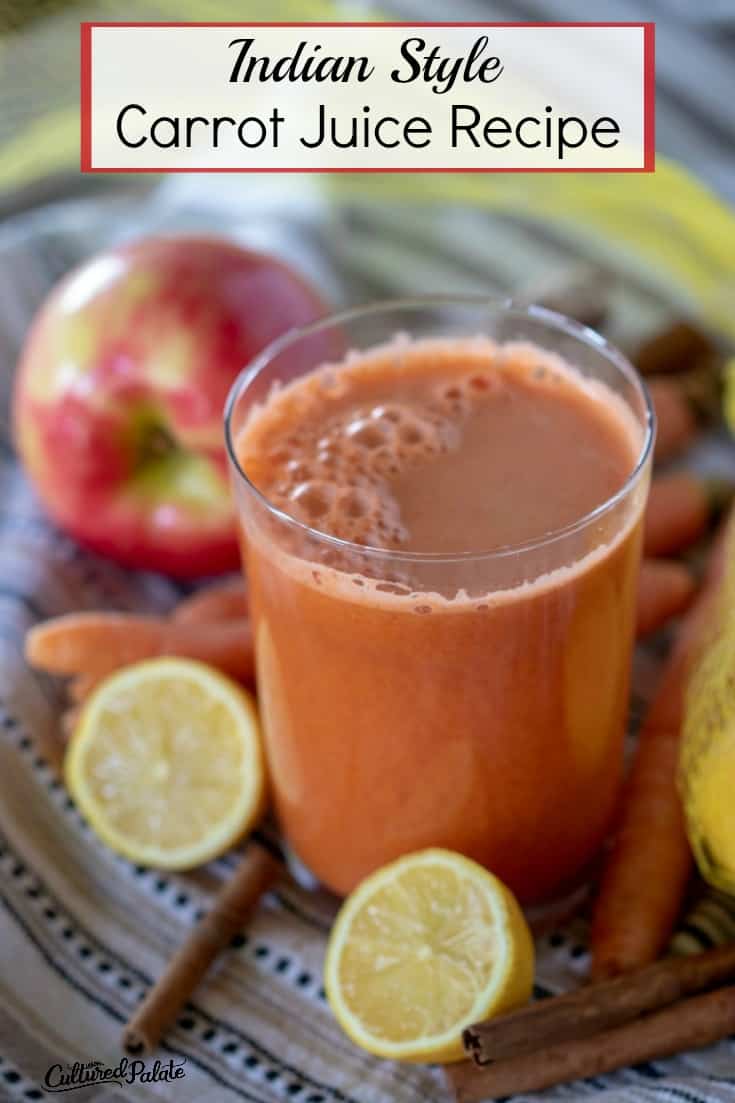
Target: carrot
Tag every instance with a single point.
(217, 603)
(677, 425)
(69, 721)
(680, 507)
(665, 589)
(96, 643)
(84, 642)
(645, 876)
(221, 601)
(80, 687)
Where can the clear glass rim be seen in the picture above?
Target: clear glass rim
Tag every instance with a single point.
(550, 318)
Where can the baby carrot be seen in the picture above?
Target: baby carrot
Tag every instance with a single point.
(94, 643)
(81, 642)
(677, 425)
(69, 721)
(679, 510)
(665, 589)
(645, 876)
(220, 601)
(80, 687)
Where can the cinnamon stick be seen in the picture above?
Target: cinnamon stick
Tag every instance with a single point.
(674, 349)
(688, 1024)
(598, 1007)
(231, 909)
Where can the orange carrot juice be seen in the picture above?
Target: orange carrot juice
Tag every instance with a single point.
(442, 536)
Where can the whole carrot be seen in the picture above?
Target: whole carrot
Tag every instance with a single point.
(679, 510)
(676, 418)
(665, 590)
(218, 602)
(97, 643)
(222, 601)
(645, 876)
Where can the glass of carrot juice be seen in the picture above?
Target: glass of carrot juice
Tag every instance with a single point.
(440, 502)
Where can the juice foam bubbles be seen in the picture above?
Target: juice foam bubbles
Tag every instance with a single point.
(338, 480)
(344, 450)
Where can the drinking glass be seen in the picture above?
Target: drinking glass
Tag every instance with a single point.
(494, 725)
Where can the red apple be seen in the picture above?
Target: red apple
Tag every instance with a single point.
(121, 387)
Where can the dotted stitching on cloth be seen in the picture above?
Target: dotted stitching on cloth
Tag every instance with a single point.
(193, 1021)
(21, 1086)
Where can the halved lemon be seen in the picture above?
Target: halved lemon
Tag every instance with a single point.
(166, 763)
(421, 949)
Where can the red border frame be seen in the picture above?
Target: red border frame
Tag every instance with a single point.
(649, 91)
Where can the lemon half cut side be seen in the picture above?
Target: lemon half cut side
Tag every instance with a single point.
(166, 763)
(423, 948)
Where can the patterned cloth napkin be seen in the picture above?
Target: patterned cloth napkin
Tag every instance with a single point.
(84, 933)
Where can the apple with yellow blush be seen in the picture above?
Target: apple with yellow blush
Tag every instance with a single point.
(121, 387)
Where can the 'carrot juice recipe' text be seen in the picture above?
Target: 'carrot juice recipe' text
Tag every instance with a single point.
(465, 125)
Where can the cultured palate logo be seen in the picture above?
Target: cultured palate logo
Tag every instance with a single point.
(65, 1078)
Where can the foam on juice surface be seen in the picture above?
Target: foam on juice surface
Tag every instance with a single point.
(338, 477)
(433, 445)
